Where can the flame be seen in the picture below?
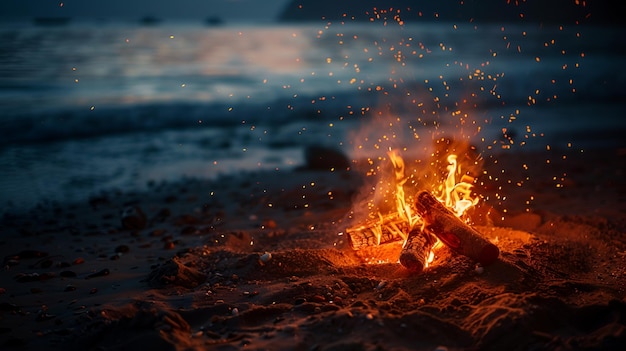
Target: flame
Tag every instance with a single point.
(403, 207)
(455, 192)
(457, 195)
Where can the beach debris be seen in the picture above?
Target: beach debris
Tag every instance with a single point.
(133, 218)
(458, 236)
(416, 251)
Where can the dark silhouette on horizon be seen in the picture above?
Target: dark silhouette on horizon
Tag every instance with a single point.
(561, 12)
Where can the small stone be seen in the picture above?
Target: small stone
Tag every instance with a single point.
(235, 311)
(133, 218)
(325, 158)
(479, 269)
(264, 258)
(70, 288)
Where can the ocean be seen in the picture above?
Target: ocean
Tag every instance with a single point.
(94, 106)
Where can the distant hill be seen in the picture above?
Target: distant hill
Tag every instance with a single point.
(566, 12)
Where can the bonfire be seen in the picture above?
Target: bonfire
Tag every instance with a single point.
(428, 223)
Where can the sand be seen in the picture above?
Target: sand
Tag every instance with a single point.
(261, 261)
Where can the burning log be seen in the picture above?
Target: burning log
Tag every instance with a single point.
(387, 229)
(457, 235)
(416, 251)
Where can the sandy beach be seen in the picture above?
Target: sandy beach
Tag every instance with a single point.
(261, 261)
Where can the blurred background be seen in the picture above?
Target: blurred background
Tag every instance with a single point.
(119, 94)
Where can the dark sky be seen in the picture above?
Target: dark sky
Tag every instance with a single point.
(228, 10)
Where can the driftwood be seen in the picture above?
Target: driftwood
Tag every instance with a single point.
(378, 231)
(455, 234)
(414, 254)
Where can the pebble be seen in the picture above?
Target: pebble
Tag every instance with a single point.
(381, 285)
(264, 258)
(133, 218)
(479, 269)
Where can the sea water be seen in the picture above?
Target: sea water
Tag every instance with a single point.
(93, 106)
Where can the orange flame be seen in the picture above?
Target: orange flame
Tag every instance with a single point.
(455, 193)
